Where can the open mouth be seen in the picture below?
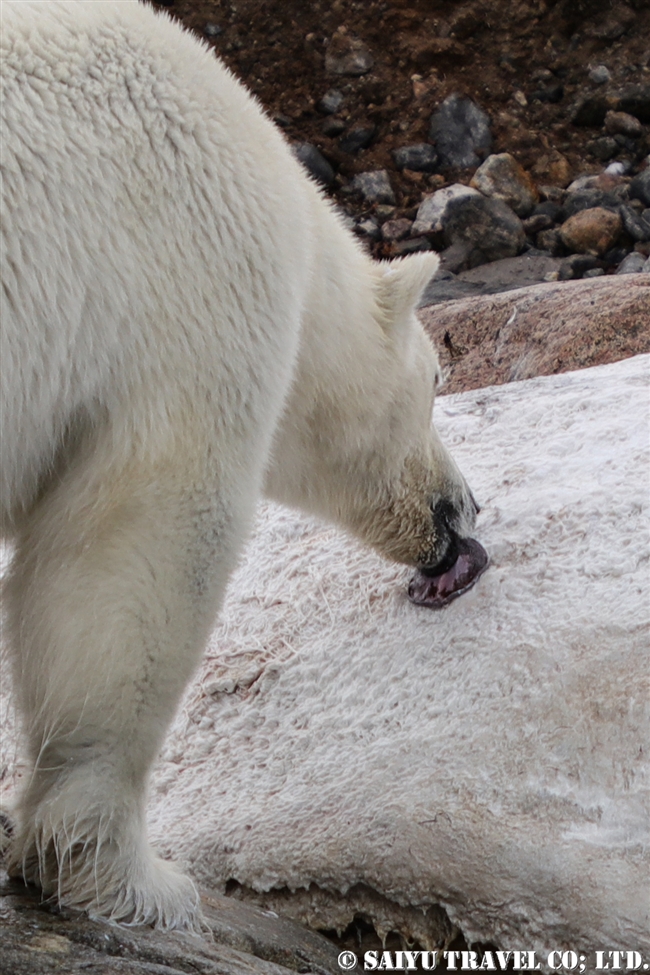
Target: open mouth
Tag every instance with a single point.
(457, 573)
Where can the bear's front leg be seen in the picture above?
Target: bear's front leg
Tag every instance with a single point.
(114, 586)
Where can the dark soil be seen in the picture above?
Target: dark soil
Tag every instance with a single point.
(499, 53)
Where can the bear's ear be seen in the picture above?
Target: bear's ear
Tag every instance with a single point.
(402, 283)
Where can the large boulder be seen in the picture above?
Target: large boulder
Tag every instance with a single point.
(535, 330)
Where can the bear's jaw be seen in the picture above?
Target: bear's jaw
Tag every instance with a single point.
(463, 565)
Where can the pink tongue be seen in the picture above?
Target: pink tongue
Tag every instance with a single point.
(437, 591)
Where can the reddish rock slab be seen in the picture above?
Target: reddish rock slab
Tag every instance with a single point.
(539, 330)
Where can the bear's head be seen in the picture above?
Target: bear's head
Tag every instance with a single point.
(421, 506)
(357, 443)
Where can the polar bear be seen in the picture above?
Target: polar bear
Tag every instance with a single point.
(186, 325)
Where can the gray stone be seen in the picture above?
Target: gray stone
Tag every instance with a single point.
(461, 133)
(591, 110)
(636, 101)
(618, 168)
(576, 266)
(431, 213)
(394, 230)
(330, 102)
(368, 227)
(549, 207)
(284, 121)
(634, 263)
(603, 148)
(490, 228)
(347, 56)
(412, 246)
(587, 199)
(332, 127)
(503, 178)
(623, 123)
(640, 187)
(594, 272)
(374, 186)
(420, 157)
(212, 30)
(357, 138)
(489, 279)
(551, 241)
(551, 93)
(243, 940)
(637, 225)
(537, 222)
(314, 161)
(600, 74)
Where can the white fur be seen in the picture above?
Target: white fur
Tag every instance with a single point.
(185, 321)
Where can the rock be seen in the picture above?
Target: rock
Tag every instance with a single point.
(488, 226)
(330, 102)
(212, 30)
(489, 279)
(576, 266)
(633, 264)
(357, 138)
(244, 940)
(548, 193)
(635, 100)
(433, 209)
(368, 227)
(588, 199)
(637, 225)
(624, 124)
(551, 93)
(592, 231)
(394, 230)
(600, 74)
(550, 208)
(613, 24)
(603, 148)
(551, 241)
(551, 168)
(537, 222)
(384, 211)
(591, 110)
(313, 160)
(420, 157)
(556, 327)
(332, 127)
(502, 178)
(461, 133)
(411, 246)
(614, 256)
(374, 187)
(347, 56)
(453, 259)
(640, 187)
(618, 168)
(586, 182)
(594, 272)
